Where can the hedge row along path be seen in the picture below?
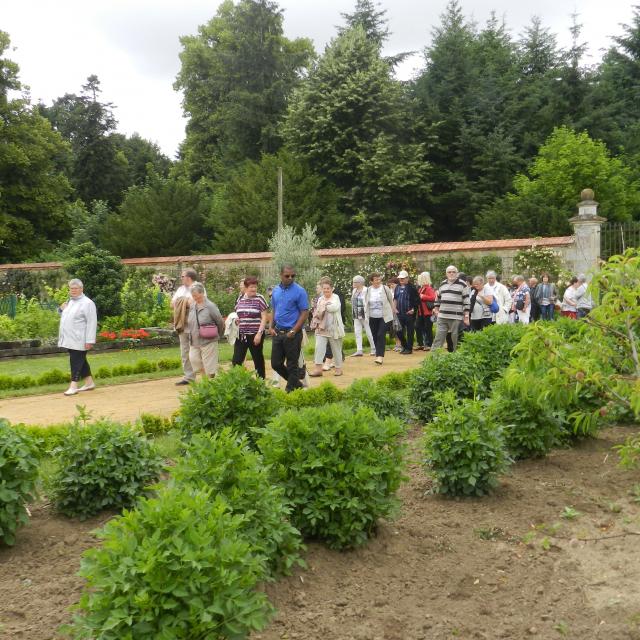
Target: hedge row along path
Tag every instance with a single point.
(125, 402)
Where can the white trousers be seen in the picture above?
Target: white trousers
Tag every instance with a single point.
(358, 325)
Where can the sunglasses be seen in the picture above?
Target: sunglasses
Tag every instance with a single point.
(289, 275)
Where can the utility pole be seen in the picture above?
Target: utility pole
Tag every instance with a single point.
(280, 190)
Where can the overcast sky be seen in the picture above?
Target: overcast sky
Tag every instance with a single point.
(133, 45)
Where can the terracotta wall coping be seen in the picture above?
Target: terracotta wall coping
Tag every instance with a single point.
(343, 252)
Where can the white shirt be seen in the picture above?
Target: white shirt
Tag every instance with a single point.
(375, 302)
(78, 324)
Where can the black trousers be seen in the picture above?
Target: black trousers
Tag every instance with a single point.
(408, 323)
(240, 347)
(379, 330)
(424, 331)
(285, 353)
(78, 364)
(479, 325)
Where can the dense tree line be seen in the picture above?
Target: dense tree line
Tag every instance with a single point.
(494, 137)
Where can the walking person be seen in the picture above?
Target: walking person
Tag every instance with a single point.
(395, 327)
(329, 328)
(535, 307)
(451, 308)
(583, 297)
(569, 308)
(502, 297)
(204, 327)
(424, 326)
(479, 303)
(77, 334)
(251, 308)
(360, 323)
(290, 310)
(180, 302)
(379, 307)
(546, 295)
(521, 306)
(407, 301)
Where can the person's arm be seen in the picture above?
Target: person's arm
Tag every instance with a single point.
(264, 319)
(92, 325)
(466, 305)
(216, 316)
(333, 304)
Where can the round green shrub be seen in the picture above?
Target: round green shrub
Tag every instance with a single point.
(340, 469)
(529, 430)
(234, 398)
(492, 347)
(395, 380)
(18, 474)
(442, 371)
(46, 438)
(104, 465)
(464, 451)
(55, 376)
(153, 425)
(168, 364)
(324, 393)
(366, 393)
(144, 366)
(103, 372)
(224, 463)
(176, 567)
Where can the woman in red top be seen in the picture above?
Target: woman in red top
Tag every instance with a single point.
(424, 324)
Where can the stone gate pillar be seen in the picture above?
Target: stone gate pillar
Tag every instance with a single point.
(586, 227)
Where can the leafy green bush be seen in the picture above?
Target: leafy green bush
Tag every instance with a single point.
(340, 469)
(571, 378)
(224, 463)
(55, 376)
(18, 473)
(32, 321)
(144, 366)
(324, 393)
(104, 465)
(441, 371)
(101, 273)
(629, 452)
(177, 567)
(234, 398)
(395, 381)
(47, 438)
(103, 372)
(122, 370)
(153, 425)
(529, 430)
(366, 393)
(492, 347)
(168, 364)
(464, 449)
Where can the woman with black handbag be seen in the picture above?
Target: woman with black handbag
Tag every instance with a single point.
(205, 325)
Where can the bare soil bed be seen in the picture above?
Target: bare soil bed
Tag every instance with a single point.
(504, 566)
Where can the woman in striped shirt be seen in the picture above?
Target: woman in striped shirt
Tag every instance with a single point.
(251, 308)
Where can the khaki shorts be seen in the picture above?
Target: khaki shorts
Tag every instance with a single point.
(205, 358)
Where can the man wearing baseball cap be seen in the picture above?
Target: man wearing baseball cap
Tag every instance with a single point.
(407, 301)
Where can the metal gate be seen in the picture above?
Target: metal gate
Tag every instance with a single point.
(617, 237)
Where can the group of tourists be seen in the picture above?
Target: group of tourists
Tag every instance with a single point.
(423, 315)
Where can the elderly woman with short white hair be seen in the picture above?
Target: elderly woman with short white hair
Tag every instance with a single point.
(360, 321)
(77, 334)
(205, 325)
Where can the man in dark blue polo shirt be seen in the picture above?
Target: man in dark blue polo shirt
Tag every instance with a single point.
(290, 305)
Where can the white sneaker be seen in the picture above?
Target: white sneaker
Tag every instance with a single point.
(87, 387)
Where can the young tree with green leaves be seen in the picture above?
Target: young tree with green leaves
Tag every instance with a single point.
(542, 202)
